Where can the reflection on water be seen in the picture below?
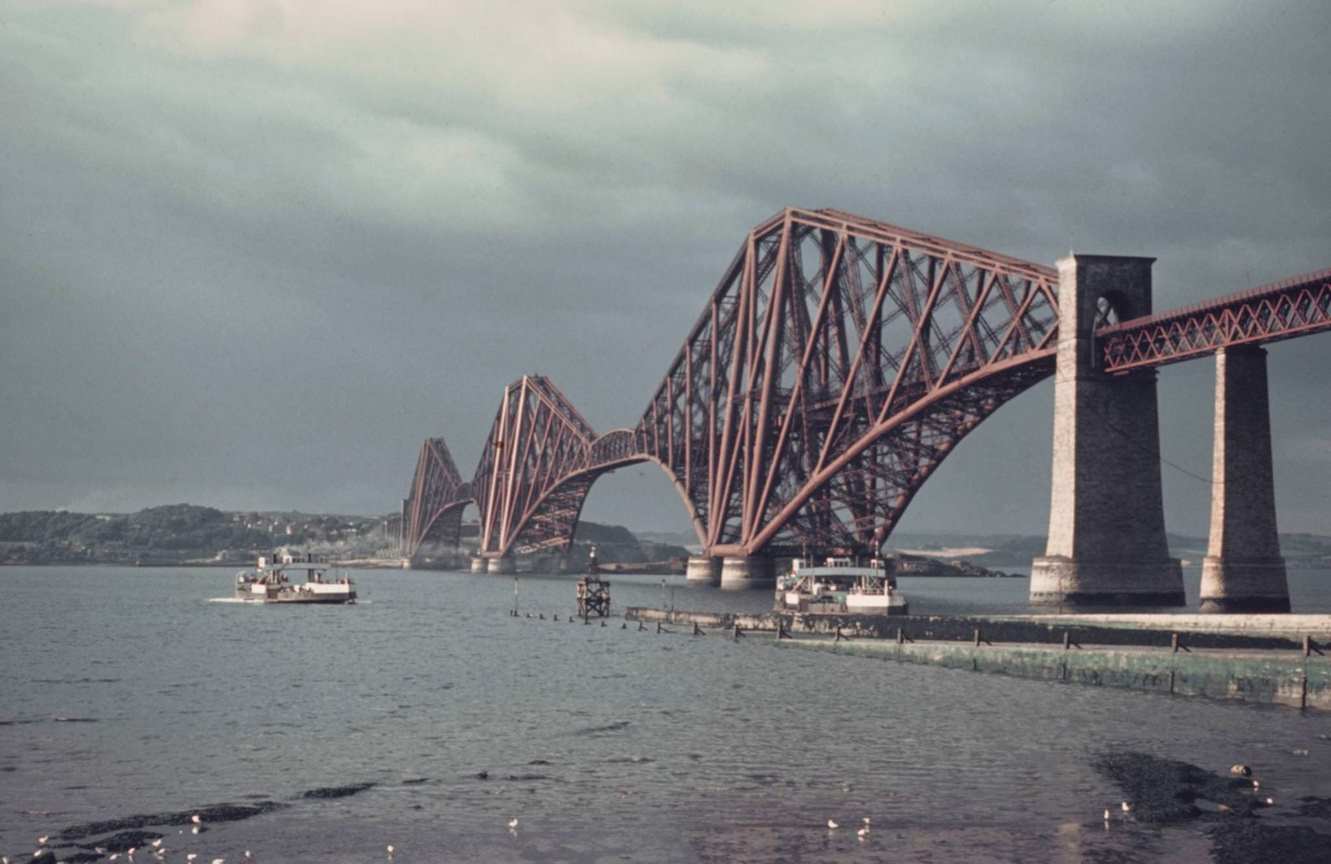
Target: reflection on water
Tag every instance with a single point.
(606, 743)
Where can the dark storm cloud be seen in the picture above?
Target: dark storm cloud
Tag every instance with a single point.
(254, 251)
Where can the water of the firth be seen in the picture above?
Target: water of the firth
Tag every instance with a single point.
(606, 744)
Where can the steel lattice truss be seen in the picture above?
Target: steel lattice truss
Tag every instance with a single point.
(432, 510)
(537, 467)
(1282, 310)
(836, 365)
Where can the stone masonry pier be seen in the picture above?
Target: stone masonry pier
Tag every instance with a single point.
(1107, 541)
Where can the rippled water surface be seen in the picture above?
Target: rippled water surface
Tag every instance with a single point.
(125, 691)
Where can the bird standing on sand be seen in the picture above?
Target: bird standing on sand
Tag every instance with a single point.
(41, 841)
(513, 824)
(832, 825)
(1127, 808)
(1106, 814)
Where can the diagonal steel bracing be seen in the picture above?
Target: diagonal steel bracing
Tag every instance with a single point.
(1293, 307)
(432, 510)
(838, 362)
(835, 366)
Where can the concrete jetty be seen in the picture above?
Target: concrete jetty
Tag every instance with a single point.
(1272, 659)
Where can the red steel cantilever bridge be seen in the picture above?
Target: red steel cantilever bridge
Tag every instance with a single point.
(836, 364)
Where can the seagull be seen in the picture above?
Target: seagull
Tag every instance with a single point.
(247, 855)
(1256, 785)
(191, 856)
(1127, 808)
(832, 825)
(862, 833)
(866, 821)
(1106, 814)
(390, 850)
(41, 841)
(513, 823)
(196, 829)
(196, 819)
(1270, 802)
(157, 844)
(219, 861)
(114, 856)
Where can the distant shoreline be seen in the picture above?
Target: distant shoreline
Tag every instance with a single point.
(355, 564)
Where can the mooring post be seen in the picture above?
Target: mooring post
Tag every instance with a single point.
(697, 631)
(1176, 642)
(901, 636)
(1067, 641)
(977, 637)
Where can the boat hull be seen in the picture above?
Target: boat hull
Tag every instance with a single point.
(325, 600)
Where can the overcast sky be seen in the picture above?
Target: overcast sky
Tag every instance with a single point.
(253, 251)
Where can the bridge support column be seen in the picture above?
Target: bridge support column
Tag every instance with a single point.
(1243, 570)
(477, 564)
(746, 571)
(502, 565)
(703, 570)
(1106, 517)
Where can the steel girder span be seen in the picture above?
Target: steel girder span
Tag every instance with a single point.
(835, 366)
(1297, 306)
(432, 510)
(539, 461)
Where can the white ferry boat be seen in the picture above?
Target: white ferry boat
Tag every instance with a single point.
(268, 582)
(840, 586)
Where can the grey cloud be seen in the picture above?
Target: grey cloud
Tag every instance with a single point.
(368, 231)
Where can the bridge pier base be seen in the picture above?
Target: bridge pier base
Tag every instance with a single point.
(504, 565)
(703, 570)
(739, 573)
(477, 564)
(1243, 570)
(1106, 517)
